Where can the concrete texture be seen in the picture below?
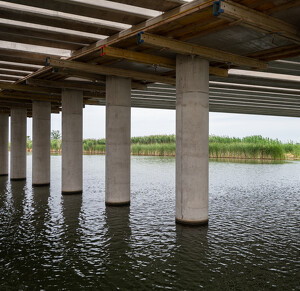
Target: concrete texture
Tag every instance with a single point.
(72, 103)
(18, 144)
(3, 144)
(117, 159)
(41, 125)
(192, 152)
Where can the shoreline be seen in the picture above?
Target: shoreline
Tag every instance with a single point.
(287, 157)
(220, 147)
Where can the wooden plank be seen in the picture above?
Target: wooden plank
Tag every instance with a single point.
(151, 59)
(205, 52)
(172, 15)
(258, 20)
(155, 22)
(25, 88)
(66, 72)
(103, 70)
(92, 77)
(277, 53)
(31, 96)
(138, 57)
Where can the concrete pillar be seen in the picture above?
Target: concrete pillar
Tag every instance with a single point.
(117, 158)
(41, 113)
(192, 152)
(72, 103)
(3, 144)
(18, 144)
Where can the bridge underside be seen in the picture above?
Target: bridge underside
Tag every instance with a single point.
(238, 56)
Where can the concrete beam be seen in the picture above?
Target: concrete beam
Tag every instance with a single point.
(117, 159)
(18, 144)
(192, 118)
(4, 144)
(72, 103)
(41, 113)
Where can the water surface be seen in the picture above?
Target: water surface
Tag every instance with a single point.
(49, 241)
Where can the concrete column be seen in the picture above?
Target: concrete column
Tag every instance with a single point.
(41, 113)
(117, 158)
(18, 144)
(72, 103)
(3, 144)
(192, 152)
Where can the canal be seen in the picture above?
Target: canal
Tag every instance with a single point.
(49, 241)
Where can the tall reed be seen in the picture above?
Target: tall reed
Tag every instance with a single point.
(250, 147)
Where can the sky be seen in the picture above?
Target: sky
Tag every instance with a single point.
(160, 121)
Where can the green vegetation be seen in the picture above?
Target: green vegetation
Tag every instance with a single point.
(251, 147)
(55, 134)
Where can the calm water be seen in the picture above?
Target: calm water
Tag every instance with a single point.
(49, 241)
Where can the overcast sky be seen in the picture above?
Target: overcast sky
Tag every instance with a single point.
(158, 121)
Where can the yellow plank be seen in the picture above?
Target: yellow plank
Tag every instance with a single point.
(151, 59)
(108, 71)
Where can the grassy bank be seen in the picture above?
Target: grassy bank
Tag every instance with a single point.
(252, 147)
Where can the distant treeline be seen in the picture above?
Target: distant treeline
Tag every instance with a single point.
(251, 147)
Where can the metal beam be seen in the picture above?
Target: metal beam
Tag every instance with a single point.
(205, 52)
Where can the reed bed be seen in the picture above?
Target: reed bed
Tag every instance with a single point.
(251, 147)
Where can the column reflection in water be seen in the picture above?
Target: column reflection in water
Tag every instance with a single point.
(15, 244)
(43, 267)
(72, 266)
(191, 257)
(3, 201)
(119, 264)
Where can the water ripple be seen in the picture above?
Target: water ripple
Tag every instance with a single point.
(50, 241)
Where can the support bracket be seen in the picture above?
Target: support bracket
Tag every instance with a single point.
(217, 8)
(139, 38)
(47, 61)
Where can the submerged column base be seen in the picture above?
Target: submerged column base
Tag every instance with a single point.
(117, 204)
(17, 179)
(41, 185)
(192, 222)
(71, 192)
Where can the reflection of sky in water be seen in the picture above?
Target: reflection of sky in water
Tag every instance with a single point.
(73, 241)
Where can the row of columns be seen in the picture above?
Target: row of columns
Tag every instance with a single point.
(192, 108)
